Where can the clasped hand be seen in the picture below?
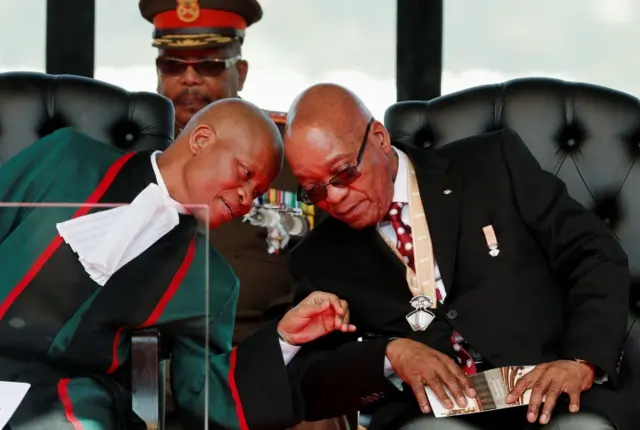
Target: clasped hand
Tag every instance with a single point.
(318, 314)
(548, 381)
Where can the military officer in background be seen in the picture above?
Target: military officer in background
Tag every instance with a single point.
(199, 61)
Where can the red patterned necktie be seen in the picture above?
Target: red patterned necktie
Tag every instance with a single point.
(404, 244)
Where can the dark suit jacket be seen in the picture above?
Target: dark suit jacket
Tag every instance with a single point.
(558, 289)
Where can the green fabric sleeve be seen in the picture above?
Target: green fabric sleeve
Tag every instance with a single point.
(187, 368)
(248, 386)
(26, 176)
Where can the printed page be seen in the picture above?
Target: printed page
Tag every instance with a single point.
(11, 394)
(492, 388)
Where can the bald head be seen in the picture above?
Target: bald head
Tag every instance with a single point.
(330, 109)
(340, 155)
(236, 118)
(226, 156)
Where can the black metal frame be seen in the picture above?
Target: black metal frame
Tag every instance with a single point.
(419, 28)
(148, 375)
(71, 26)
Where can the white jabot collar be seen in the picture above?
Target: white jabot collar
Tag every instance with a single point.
(107, 240)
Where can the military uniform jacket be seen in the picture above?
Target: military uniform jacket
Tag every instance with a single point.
(68, 337)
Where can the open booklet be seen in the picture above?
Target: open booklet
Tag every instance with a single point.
(492, 388)
(11, 395)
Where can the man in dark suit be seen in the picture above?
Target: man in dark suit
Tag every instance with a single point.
(521, 274)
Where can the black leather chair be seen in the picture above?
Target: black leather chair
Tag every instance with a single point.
(33, 105)
(587, 135)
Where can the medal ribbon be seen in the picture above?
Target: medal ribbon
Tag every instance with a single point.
(287, 200)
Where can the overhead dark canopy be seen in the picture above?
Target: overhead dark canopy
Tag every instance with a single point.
(71, 26)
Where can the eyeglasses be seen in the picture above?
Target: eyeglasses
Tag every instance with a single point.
(207, 67)
(344, 178)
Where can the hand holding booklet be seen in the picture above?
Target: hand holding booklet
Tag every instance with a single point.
(492, 388)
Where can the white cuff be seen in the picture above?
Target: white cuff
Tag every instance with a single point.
(391, 376)
(388, 370)
(601, 380)
(288, 351)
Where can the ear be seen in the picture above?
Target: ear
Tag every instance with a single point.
(243, 68)
(201, 137)
(160, 86)
(380, 137)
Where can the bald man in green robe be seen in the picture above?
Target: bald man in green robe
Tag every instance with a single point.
(67, 310)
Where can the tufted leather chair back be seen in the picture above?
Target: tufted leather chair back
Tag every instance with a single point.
(589, 136)
(33, 105)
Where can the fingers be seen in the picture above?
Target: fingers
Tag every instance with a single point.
(340, 313)
(328, 320)
(346, 327)
(345, 318)
(458, 383)
(574, 398)
(337, 319)
(342, 317)
(436, 384)
(334, 302)
(417, 385)
(540, 388)
(550, 397)
(316, 303)
(523, 385)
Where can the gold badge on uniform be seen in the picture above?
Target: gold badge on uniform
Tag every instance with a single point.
(188, 10)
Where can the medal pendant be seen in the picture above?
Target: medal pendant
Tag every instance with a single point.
(420, 319)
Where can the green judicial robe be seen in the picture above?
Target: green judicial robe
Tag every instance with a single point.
(69, 338)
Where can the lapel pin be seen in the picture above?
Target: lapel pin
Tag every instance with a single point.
(492, 241)
(446, 192)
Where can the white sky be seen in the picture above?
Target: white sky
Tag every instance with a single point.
(353, 43)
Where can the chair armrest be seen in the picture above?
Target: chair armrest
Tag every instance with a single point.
(148, 378)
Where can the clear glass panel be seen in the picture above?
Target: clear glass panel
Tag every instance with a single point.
(296, 44)
(23, 47)
(592, 41)
(85, 285)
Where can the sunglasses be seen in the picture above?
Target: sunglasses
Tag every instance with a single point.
(208, 67)
(344, 178)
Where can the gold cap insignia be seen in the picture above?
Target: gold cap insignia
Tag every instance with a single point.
(188, 10)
